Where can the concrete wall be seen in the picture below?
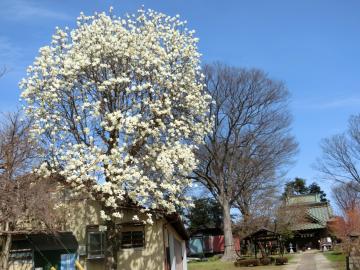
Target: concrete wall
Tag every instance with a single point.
(79, 215)
(172, 235)
(150, 257)
(21, 265)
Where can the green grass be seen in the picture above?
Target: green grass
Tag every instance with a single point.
(220, 265)
(337, 258)
(211, 265)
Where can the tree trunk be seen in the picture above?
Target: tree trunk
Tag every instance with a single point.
(247, 227)
(246, 230)
(229, 253)
(112, 246)
(262, 250)
(5, 252)
(111, 258)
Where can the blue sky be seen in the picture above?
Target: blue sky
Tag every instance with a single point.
(311, 45)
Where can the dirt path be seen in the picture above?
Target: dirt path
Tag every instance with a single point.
(309, 260)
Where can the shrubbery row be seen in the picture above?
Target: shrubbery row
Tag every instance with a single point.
(262, 261)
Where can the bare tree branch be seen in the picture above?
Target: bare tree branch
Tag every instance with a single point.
(25, 199)
(341, 155)
(347, 196)
(250, 141)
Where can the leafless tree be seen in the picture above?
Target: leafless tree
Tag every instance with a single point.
(287, 217)
(17, 150)
(257, 201)
(347, 196)
(25, 200)
(257, 206)
(250, 142)
(341, 155)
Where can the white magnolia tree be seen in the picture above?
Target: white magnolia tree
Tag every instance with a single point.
(122, 105)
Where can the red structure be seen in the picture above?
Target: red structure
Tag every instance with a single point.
(218, 242)
(208, 242)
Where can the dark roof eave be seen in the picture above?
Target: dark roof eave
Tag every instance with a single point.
(178, 225)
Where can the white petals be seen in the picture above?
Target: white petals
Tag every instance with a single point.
(123, 104)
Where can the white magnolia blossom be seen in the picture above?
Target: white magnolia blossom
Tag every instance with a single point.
(122, 104)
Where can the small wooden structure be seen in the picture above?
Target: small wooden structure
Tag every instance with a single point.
(264, 240)
(43, 249)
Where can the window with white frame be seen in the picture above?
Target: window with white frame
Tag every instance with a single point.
(95, 243)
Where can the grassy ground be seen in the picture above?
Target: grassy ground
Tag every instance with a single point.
(219, 265)
(337, 258)
(216, 265)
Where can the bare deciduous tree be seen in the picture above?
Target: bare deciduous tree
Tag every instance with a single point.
(341, 154)
(250, 140)
(25, 201)
(347, 196)
(287, 217)
(17, 150)
(257, 206)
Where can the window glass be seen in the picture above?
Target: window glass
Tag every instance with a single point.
(96, 244)
(138, 239)
(132, 239)
(126, 240)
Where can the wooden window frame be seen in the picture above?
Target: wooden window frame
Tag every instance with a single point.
(132, 229)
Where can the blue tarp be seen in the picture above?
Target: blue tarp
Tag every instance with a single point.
(196, 246)
(68, 261)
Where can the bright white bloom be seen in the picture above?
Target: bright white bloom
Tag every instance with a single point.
(117, 215)
(121, 101)
(103, 215)
(149, 219)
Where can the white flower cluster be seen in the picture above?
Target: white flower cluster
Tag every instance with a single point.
(121, 101)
